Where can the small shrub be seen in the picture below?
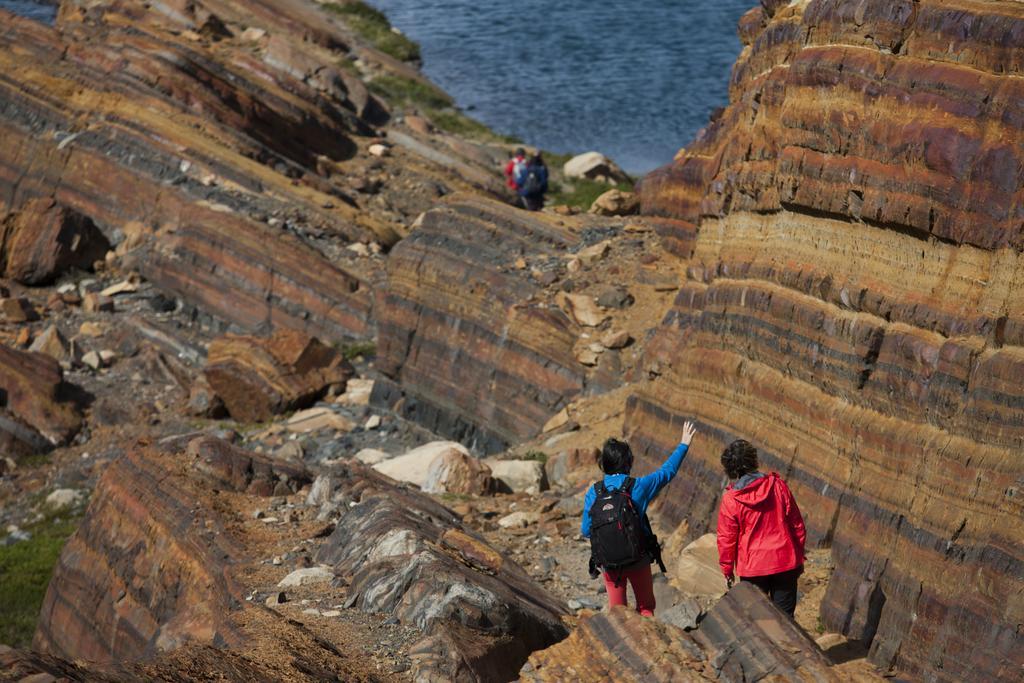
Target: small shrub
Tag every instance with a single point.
(359, 348)
(372, 25)
(539, 456)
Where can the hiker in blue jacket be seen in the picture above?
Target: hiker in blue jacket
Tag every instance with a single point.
(532, 182)
(616, 462)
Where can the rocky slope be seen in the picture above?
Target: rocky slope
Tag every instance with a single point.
(852, 306)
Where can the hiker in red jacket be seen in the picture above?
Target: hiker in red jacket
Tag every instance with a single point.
(760, 530)
(512, 168)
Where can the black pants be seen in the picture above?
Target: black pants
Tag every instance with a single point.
(780, 588)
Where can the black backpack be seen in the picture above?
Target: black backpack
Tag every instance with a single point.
(618, 538)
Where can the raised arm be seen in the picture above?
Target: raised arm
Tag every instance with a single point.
(648, 486)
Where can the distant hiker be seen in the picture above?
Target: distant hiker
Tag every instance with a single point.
(622, 543)
(513, 166)
(760, 530)
(532, 183)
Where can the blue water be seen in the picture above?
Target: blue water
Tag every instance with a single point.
(635, 80)
(45, 13)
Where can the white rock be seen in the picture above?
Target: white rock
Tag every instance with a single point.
(357, 392)
(414, 466)
(93, 360)
(557, 420)
(583, 309)
(595, 166)
(373, 422)
(378, 150)
(519, 475)
(107, 356)
(372, 456)
(331, 613)
(307, 576)
(252, 34)
(123, 287)
(518, 520)
(314, 419)
(696, 572)
(320, 491)
(359, 249)
(63, 498)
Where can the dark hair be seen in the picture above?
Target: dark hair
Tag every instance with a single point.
(739, 458)
(538, 160)
(520, 152)
(616, 457)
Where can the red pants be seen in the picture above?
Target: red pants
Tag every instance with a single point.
(643, 588)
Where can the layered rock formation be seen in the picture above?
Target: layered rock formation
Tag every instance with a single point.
(259, 377)
(744, 638)
(464, 331)
(45, 239)
(39, 409)
(481, 614)
(853, 308)
(168, 558)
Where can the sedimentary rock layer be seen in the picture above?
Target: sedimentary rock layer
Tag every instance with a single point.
(853, 308)
(463, 331)
(744, 638)
(40, 410)
(259, 377)
(482, 615)
(190, 146)
(44, 239)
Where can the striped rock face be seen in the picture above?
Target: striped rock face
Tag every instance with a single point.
(189, 148)
(853, 227)
(478, 356)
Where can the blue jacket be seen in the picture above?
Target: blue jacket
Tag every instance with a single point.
(644, 489)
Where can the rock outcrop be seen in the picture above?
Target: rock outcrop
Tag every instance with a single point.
(743, 638)
(408, 556)
(44, 239)
(39, 410)
(853, 308)
(163, 564)
(192, 148)
(479, 357)
(259, 377)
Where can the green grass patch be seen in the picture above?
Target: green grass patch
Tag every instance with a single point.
(581, 192)
(539, 456)
(399, 91)
(372, 25)
(366, 349)
(25, 570)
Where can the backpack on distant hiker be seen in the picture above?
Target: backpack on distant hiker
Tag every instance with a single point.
(619, 536)
(532, 183)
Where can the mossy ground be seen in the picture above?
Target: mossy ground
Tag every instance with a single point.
(372, 25)
(25, 571)
(581, 193)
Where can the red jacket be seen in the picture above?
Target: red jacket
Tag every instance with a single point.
(510, 171)
(760, 529)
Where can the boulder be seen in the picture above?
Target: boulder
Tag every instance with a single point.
(315, 419)
(45, 238)
(615, 339)
(63, 498)
(52, 343)
(456, 472)
(18, 310)
(259, 377)
(519, 519)
(572, 466)
(203, 401)
(594, 166)
(357, 392)
(616, 203)
(583, 309)
(40, 410)
(440, 467)
(614, 296)
(371, 456)
(518, 475)
(307, 576)
(696, 573)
